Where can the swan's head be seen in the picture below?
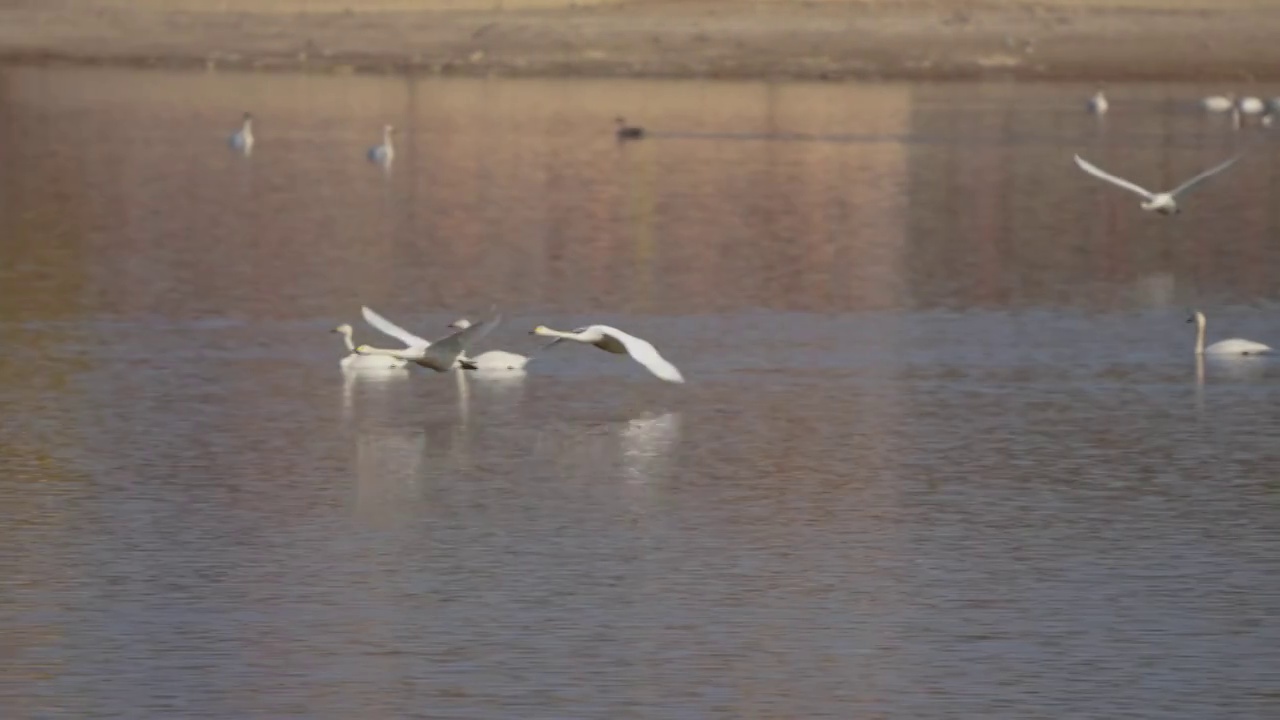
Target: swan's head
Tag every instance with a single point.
(460, 324)
(542, 330)
(344, 328)
(1195, 316)
(248, 116)
(389, 129)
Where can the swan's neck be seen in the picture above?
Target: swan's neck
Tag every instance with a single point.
(346, 339)
(386, 138)
(561, 334)
(1200, 323)
(247, 128)
(365, 350)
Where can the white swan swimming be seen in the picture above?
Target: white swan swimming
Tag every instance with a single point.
(613, 340)
(1218, 103)
(242, 139)
(1164, 203)
(442, 355)
(1098, 104)
(1234, 346)
(386, 152)
(1251, 105)
(358, 361)
(491, 359)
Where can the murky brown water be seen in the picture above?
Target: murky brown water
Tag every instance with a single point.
(943, 452)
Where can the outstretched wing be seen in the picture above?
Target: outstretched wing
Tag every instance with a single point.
(1097, 172)
(441, 355)
(647, 355)
(1203, 176)
(384, 325)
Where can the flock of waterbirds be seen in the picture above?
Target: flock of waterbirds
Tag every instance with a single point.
(452, 351)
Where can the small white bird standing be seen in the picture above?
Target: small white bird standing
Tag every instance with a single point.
(1098, 104)
(1164, 203)
(615, 341)
(1234, 346)
(358, 361)
(383, 154)
(242, 139)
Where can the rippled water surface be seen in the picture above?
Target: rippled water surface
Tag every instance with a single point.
(944, 451)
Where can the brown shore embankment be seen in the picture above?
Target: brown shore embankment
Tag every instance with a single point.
(1084, 40)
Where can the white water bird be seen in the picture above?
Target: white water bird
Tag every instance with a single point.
(1098, 104)
(1234, 346)
(358, 361)
(242, 139)
(415, 347)
(615, 341)
(442, 355)
(383, 154)
(1251, 105)
(1164, 203)
(491, 359)
(1218, 103)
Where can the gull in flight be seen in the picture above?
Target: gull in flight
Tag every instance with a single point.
(613, 340)
(1164, 203)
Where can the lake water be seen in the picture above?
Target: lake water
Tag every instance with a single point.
(944, 452)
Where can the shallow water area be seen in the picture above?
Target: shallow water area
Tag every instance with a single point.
(944, 450)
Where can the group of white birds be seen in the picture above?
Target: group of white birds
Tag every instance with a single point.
(382, 154)
(1166, 203)
(451, 352)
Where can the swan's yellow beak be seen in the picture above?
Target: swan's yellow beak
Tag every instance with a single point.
(362, 349)
(540, 330)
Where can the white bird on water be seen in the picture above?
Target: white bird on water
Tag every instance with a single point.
(1098, 104)
(1164, 203)
(1234, 346)
(442, 355)
(613, 340)
(1251, 105)
(1218, 103)
(383, 154)
(242, 139)
(492, 359)
(358, 361)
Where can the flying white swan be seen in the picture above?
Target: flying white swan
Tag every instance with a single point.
(242, 139)
(1098, 104)
(442, 355)
(1164, 203)
(1218, 103)
(615, 341)
(1234, 346)
(358, 361)
(383, 154)
(492, 359)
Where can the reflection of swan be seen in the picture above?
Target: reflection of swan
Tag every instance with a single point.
(647, 443)
(442, 355)
(1163, 202)
(383, 154)
(1234, 346)
(360, 361)
(617, 342)
(492, 359)
(242, 139)
(1098, 103)
(388, 471)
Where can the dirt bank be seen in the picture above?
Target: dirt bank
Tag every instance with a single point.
(1229, 40)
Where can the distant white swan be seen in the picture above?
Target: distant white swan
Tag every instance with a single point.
(357, 361)
(1234, 346)
(444, 354)
(1164, 203)
(1098, 104)
(242, 139)
(491, 359)
(1251, 105)
(1217, 103)
(615, 341)
(386, 152)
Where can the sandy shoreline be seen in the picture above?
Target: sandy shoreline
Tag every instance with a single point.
(1085, 40)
